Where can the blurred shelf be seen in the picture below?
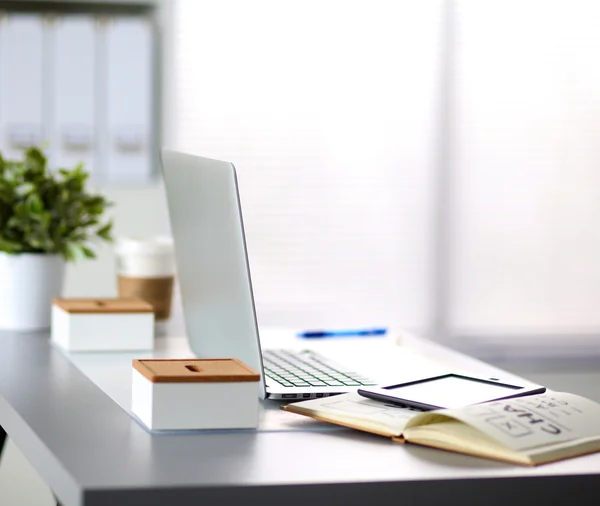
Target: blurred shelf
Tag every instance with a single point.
(82, 2)
(82, 5)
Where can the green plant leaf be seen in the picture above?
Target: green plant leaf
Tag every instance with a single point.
(36, 243)
(49, 212)
(9, 246)
(87, 251)
(25, 189)
(7, 194)
(34, 204)
(105, 232)
(14, 222)
(35, 161)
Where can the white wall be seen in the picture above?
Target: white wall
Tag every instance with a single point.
(525, 248)
(335, 141)
(138, 211)
(328, 109)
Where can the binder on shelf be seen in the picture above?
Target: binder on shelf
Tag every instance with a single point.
(21, 83)
(73, 125)
(129, 85)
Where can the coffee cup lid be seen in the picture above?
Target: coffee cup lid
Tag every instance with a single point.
(158, 245)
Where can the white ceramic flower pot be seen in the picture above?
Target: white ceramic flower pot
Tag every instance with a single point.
(28, 282)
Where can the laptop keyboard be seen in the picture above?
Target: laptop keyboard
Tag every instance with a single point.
(304, 369)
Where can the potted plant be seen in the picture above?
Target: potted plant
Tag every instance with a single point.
(46, 218)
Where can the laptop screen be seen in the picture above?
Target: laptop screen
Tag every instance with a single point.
(212, 261)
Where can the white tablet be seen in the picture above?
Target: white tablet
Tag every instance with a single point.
(448, 391)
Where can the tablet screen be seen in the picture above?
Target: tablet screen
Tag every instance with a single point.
(452, 391)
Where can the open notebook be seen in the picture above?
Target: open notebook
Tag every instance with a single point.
(527, 430)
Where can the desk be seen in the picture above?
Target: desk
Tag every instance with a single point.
(91, 452)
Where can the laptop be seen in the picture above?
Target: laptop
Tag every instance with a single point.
(216, 287)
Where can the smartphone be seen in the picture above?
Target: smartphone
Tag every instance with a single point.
(449, 391)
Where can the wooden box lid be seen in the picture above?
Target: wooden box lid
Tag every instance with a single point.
(209, 370)
(103, 305)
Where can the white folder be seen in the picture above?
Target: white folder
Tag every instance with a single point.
(21, 83)
(72, 130)
(129, 83)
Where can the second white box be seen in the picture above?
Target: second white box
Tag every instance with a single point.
(102, 324)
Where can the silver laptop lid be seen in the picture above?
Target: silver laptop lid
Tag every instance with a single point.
(212, 261)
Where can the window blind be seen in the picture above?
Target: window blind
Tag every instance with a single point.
(328, 110)
(526, 184)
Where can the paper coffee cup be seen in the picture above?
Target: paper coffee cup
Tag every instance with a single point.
(145, 257)
(146, 270)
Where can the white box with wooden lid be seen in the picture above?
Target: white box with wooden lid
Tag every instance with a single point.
(195, 394)
(102, 324)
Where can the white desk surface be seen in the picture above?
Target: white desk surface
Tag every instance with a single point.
(111, 372)
(80, 437)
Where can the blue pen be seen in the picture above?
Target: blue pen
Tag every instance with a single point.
(309, 334)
